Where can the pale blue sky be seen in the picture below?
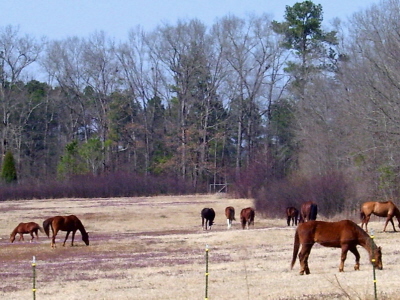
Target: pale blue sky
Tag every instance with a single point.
(57, 19)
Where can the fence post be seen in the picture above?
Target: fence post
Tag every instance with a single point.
(34, 277)
(373, 264)
(206, 294)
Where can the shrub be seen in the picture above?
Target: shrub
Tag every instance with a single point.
(9, 172)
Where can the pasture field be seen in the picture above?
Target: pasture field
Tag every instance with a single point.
(154, 248)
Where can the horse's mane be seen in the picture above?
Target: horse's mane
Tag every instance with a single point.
(396, 210)
(81, 227)
(369, 241)
(14, 232)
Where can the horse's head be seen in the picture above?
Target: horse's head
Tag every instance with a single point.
(377, 258)
(85, 238)
(12, 238)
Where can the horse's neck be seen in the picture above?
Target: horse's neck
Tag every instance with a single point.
(396, 212)
(369, 245)
(81, 228)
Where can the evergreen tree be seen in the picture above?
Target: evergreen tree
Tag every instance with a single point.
(9, 172)
(302, 31)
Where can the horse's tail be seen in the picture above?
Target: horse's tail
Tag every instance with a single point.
(362, 216)
(46, 226)
(232, 215)
(41, 229)
(313, 211)
(296, 247)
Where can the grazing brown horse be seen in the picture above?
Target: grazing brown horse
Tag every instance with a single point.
(65, 223)
(207, 217)
(230, 215)
(30, 227)
(344, 234)
(247, 217)
(381, 209)
(292, 214)
(308, 211)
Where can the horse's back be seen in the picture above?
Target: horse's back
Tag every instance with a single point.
(208, 213)
(230, 212)
(292, 211)
(308, 211)
(380, 209)
(247, 215)
(65, 223)
(329, 234)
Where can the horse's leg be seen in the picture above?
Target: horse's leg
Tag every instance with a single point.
(73, 237)
(391, 221)
(303, 257)
(366, 222)
(21, 236)
(32, 236)
(66, 237)
(389, 218)
(343, 257)
(357, 255)
(53, 238)
(288, 220)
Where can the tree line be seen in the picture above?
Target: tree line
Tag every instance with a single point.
(247, 101)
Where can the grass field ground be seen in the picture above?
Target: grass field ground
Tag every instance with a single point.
(154, 248)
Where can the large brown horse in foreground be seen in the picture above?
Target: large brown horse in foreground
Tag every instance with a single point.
(65, 223)
(292, 214)
(247, 216)
(30, 227)
(308, 211)
(344, 234)
(381, 209)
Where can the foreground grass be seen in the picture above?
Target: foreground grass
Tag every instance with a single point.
(154, 248)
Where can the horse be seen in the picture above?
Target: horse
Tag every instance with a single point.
(30, 227)
(292, 214)
(344, 234)
(230, 215)
(381, 209)
(308, 211)
(247, 217)
(207, 217)
(65, 223)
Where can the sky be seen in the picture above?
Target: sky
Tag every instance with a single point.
(58, 19)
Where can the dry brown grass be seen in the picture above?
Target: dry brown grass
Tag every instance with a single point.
(154, 248)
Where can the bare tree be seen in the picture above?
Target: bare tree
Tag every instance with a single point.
(254, 60)
(17, 54)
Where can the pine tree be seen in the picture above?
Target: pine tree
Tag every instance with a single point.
(9, 172)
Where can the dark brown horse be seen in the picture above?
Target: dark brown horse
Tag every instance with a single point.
(292, 214)
(247, 217)
(65, 223)
(381, 209)
(344, 234)
(308, 211)
(207, 218)
(30, 227)
(230, 215)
